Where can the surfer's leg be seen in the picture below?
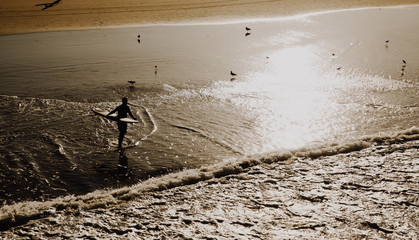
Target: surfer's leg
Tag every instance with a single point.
(122, 127)
(120, 139)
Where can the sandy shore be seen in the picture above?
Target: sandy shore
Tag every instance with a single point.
(372, 193)
(24, 17)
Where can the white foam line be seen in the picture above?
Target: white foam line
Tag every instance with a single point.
(154, 124)
(208, 22)
(22, 212)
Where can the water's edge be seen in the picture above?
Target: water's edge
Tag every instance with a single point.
(23, 212)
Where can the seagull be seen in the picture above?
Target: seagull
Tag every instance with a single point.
(248, 29)
(232, 73)
(132, 82)
(48, 5)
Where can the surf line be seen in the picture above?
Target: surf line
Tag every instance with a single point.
(150, 116)
(154, 124)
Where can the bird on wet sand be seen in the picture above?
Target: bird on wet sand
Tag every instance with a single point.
(247, 33)
(403, 67)
(232, 73)
(132, 82)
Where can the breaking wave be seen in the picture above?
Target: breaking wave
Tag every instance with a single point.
(22, 212)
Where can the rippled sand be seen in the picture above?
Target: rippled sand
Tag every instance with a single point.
(23, 16)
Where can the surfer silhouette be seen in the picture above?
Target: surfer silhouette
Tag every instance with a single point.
(123, 111)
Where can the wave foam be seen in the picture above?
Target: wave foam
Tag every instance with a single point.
(21, 213)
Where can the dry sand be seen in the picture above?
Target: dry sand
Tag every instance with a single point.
(23, 16)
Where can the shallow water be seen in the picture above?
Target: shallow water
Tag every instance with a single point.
(301, 82)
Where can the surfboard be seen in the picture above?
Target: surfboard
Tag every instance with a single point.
(113, 116)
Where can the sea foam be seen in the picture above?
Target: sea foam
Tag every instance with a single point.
(22, 212)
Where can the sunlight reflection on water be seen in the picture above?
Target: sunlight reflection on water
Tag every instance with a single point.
(288, 99)
(299, 83)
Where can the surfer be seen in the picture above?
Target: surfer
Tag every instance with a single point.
(123, 110)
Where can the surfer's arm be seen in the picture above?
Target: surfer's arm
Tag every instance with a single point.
(129, 112)
(113, 111)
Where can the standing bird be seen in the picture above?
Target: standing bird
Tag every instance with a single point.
(387, 43)
(403, 67)
(155, 69)
(247, 33)
(132, 84)
(232, 73)
(139, 40)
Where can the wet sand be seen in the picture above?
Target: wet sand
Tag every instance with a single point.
(372, 193)
(24, 17)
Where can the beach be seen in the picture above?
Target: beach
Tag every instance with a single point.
(24, 17)
(314, 137)
(370, 193)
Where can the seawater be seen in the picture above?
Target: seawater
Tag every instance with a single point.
(301, 83)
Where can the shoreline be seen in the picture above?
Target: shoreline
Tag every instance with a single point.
(77, 15)
(349, 158)
(370, 192)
